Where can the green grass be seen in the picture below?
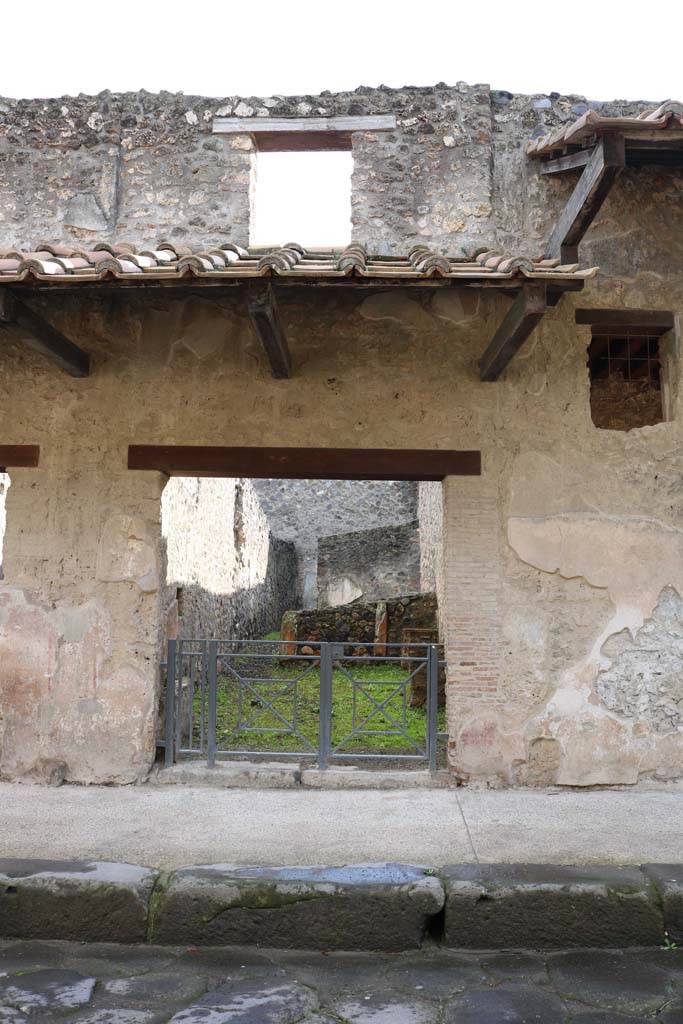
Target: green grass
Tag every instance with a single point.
(293, 692)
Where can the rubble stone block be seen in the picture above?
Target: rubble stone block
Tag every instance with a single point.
(362, 906)
(86, 901)
(494, 906)
(668, 880)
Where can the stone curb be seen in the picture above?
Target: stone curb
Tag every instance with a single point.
(87, 901)
(382, 907)
(550, 907)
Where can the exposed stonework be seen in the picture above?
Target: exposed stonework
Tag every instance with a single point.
(570, 536)
(302, 511)
(645, 677)
(232, 578)
(360, 622)
(370, 564)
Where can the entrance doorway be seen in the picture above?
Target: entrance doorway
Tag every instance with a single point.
(355, 676)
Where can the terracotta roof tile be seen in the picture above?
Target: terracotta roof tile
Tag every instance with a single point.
(667, 116)
(59, 263)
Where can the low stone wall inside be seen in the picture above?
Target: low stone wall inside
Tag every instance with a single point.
(369, 565)
(362, 622)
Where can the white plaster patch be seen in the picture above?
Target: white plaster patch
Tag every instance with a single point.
(125, 552)
(395, 306)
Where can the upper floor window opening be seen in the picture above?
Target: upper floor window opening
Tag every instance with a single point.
(303, 197)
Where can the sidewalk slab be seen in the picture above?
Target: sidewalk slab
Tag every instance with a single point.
(362, 906)
(79, 900)
(668, 880)
(537, 906)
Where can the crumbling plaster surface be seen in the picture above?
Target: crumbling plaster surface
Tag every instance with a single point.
(579, 528)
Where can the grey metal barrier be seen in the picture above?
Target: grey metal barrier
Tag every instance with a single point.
(330, 703)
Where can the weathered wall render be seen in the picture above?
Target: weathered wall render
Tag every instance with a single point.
(561, 565)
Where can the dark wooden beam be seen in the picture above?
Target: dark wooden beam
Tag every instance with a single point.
(570, 162)
(19, 456)
(520, 320)
(654, 321)
(604, 167)
(302, 142)
(265, 319)
(305, 463)
(41, 336)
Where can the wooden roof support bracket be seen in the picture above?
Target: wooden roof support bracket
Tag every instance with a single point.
(524, 313)
(41, 336)
(602, 170)
(265, 319)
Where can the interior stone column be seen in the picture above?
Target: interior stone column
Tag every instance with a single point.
(81, 619)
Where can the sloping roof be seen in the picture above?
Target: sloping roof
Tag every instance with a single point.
(668, 116)
(169, 262)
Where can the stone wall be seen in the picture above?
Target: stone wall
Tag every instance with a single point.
(369, 565)
(302, 511)
(231, 577)
(563, 563)
(362, 622)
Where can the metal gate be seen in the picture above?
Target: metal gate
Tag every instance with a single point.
(327, 702)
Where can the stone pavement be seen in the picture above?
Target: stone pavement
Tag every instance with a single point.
(72, 983)
(171, 826)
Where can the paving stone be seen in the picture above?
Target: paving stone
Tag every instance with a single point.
(611, 980)
(378, 1009)
(29, 956)
(116, 1016)
(8, 1015)
(436, 979)
(250, 1003)
(51, 989)
(668, 878)
(598, 1016)
(363, 906)
(673, 1014)
(83, 900)
(516, 967)
(514, 1004)
(156, 987)
(517, 906)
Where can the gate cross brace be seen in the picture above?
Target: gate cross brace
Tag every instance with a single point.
(39, 335)
(265, 319)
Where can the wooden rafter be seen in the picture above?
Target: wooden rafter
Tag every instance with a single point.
(267, 324)
(39, 335)
(305, 463)
(603, 168)
(19, 456)
(524, 313)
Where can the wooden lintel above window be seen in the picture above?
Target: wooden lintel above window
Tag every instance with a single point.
(284, 134)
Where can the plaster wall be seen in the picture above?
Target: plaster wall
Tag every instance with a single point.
(232, 577)
(561, 565)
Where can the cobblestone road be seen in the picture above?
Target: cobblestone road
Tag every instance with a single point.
(50, 982)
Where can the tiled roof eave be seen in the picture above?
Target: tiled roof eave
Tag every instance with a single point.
(107, 263)
(668, 117)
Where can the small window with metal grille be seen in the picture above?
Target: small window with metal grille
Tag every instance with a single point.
(625, 374)
(630, 365)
